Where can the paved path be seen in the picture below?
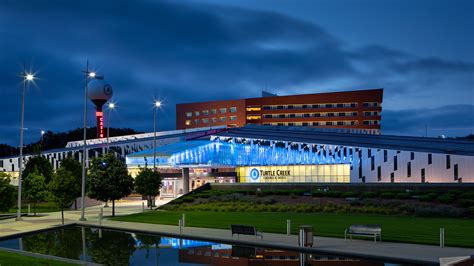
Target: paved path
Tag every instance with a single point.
(397, 251)
(336, 246)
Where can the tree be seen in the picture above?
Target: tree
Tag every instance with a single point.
(7, 193)
(63, 188)
(109, 180)
(34, 187)
(72, 165)
(41, 165)
(148, 183)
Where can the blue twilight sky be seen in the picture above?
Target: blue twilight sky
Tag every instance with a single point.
(421, 52)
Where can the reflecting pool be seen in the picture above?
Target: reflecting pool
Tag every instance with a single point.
(127, 248)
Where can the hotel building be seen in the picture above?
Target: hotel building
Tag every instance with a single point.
(358, 111)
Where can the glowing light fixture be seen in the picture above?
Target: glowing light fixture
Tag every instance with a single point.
(29, 77)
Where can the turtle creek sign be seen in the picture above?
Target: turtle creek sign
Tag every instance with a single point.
(280, 175)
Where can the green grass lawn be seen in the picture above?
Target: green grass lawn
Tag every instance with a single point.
(10, 258)
(458, 232)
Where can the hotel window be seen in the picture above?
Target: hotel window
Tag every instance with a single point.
(379, 173)
(223, 110)
(205, 112)
(366, 122)
(315, 123)
(291, 124)
(328, 105)
(448, 161)
(214, 120)
(412, 156)
(395, 163)
(306, 115)
(409, 169)
(205, 120)
(341, 114)
(340, 105)
(367, 113)
(392, 177)
(304, 106)
(196, 121)
(196, 113)
(369, 153)
(213, 111)
(372, 163)
(423, 175)
(353, 104)
(290, 107)
(281, 116)
(305, 124)
(456, 172)
(280, 107)
(281, 124)
(299, 115)
(188, 122)
(189, 114)
(330, 114)
(233, 109)
(223, 118)
(267, 116)
(430, 158)
(233, 117)
(340, 123)
(329, 123)
(315, 106)
(354, 113)
(292, 115)
(317, 114)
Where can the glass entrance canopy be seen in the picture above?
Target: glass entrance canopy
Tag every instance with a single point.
(206, 153)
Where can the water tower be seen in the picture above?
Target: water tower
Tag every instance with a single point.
(99, 93)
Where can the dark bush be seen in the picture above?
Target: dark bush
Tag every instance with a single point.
(334, 194)
(388, 195)
(446, 198)
(367, 195)
(465, 203)
(429, 197)
(467, 195)
(402, 195)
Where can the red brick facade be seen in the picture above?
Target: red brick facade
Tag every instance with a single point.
(350, 109)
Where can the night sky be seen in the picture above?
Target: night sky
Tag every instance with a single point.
(421, 52)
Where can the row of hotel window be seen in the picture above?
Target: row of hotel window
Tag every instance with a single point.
(320, 105)
(323, 123)
(213, 112)
(341, 114)
(213, 120)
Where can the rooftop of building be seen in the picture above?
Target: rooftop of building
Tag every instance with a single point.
(336, 137)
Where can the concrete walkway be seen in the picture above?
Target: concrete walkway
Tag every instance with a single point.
(399, 252)
(335, 246)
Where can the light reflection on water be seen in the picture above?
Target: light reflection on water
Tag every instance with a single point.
(122, 248)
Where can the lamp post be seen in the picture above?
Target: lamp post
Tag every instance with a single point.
(157, 105)
(110, 106)
(27, 77)
(89, 75)
(42, 136)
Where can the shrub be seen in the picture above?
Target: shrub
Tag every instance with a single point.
(467, 195)
(334, 194)
(388, 195)
(188, 199)
(402, 195)
(465, 203)
(350, 194)
(447, 198)
(428, 197)
(365, 195)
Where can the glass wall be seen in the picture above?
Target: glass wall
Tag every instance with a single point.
(322, 173)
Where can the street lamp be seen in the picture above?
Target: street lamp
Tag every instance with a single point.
(42, 136)
(89, 75)
(27, 78)
(157, 105)
(111, 106)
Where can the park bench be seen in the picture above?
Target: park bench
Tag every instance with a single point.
(245, 230)
(364, 230)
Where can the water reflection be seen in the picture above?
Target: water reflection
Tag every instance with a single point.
(121, 248)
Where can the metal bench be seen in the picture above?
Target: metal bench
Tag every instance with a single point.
(245, 230)
(364, 230)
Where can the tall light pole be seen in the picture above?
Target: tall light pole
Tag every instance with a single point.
(42, 136)
(110, 106)
(89, 75)
(27, 77)
(157, 105)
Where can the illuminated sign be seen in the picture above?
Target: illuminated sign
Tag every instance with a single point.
(278, 174)
(100, 124)
(254, 174)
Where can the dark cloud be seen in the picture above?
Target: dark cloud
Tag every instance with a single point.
(184, 53)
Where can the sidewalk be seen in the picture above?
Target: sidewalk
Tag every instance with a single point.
(334, 246)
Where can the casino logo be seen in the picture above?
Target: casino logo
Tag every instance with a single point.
(254, 174)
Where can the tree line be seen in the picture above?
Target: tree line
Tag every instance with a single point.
(107, 180)
(51, 140)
